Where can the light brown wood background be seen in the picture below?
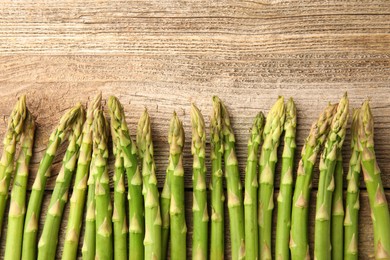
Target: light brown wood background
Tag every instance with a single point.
(165, 54)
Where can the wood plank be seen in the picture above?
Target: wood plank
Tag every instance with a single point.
(365, 226)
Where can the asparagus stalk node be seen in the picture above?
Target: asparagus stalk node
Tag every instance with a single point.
(29, 248)
(199, 206)
(299, 241)
(178, 227)
(282, 250)
(269, 155)
(217, 243)
(13, 249)
(352, 207)
(372, 178)
(333, 145)
(12, 136)
(251, 185)
(234, 188)
(77, 201)
(48, 242)
(104, 247)
(134, 178)
(152, 241)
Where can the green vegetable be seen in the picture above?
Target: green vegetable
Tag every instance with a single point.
(99, 169)
(152, 239)
(299, 241)
(351, 230)
(337, 221)
(333, 145)
(234, 188)
(372, 178)
(120, 131)
(77, 201)
(48, 242)
(176, 171)
(217, 244)
(269, 155)
(29, 248)
(251, 185)
(12, 136)
(282, 250)
(13, 249)
(199, 206)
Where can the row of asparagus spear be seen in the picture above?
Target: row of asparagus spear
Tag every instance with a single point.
(154, 221)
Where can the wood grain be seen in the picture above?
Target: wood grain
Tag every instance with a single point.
(165, 54)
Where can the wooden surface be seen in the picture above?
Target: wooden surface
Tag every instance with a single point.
(165, 54)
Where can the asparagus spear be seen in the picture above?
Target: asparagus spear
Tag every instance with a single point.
(282, 250)
(199, 206)
(119, 216)
(334, 142)
(13, 249)
(29, 248)
(338, 211)
(102, 189)
(217, 245)
(234, 187)
(176, 171)
(251, 185)
(77, 201)
(129, 153)
(165, 201)
(48, 242)
(372, 178)
(12, 136)
(272, 131)
(152, 241)
(299, 242)
(352, 200)
(89, 243)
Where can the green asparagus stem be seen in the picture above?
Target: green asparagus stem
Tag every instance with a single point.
(251, 185)
(269, 155)
(119, 216)
(152, 239)
(372, 178)
(89, 243)
(13, 249)
(299, 241)
(333, 144)
(12, 136)
(282, 250)
(176, 171)
(48, 242)
(129, 153)
(165, 202)
(104, 248)
(217, 243)
(352, 201)
(234, 188)
(29, 248)
(338, 211)
(199, 206)
(77, 201)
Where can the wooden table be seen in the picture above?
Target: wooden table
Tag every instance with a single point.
(164, 54)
